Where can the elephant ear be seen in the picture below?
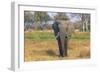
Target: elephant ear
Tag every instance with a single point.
(70, 28)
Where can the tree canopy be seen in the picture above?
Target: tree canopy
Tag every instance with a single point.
(41, 16)
(28, 16)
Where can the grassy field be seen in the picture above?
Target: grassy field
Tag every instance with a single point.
(42, 45)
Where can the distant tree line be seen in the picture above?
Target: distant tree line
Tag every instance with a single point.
(40, 20)
(84, 23)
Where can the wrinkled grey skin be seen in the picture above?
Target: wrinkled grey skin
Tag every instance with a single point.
(65, 31)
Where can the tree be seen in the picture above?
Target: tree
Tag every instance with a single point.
(28, 19)
(41, 17)
(28, 16)
(85, 22)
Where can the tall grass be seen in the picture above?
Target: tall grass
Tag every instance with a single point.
(45, 36)
(42, 45)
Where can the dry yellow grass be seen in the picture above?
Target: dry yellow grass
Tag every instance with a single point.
(48, 50)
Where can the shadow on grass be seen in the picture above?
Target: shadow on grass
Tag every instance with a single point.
(51, 53)
(48, 52)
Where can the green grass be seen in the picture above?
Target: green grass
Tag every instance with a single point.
(45, 36)
(81, 37)
(36, 35)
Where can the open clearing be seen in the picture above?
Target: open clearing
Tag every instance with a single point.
(42, 45)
